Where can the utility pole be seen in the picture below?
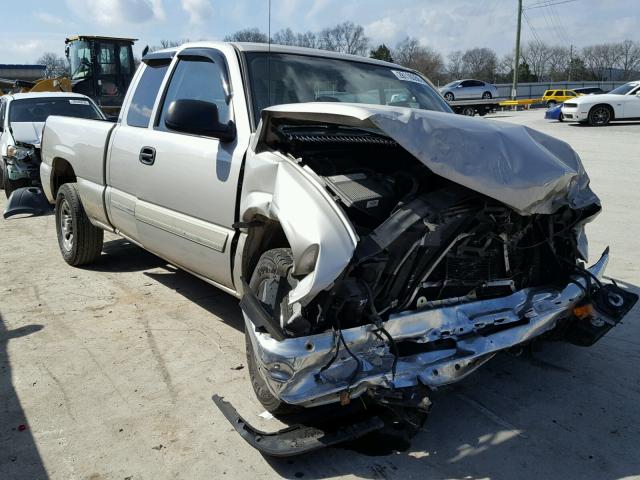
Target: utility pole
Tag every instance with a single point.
(516, 63)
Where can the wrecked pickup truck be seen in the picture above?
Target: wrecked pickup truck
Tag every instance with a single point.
(380, 249)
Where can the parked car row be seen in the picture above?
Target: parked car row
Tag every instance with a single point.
(381, 247)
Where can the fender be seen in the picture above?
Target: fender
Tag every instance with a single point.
(321, 237)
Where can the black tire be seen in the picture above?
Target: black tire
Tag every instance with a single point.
(551, 103)
(2, 167)
(79, 241)
(449, 97)
(561, 118)
(600, 115)
(487, 95)
(469, 111)
(272, 263)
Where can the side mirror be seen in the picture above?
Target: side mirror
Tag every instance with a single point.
(459, 86)
(198, 118)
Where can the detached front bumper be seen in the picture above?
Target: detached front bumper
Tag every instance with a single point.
(437, 347)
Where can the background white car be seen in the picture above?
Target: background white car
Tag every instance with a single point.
(622, 103)
(468, 89)
(22, 117)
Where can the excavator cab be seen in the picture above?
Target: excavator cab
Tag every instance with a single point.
(101, 68)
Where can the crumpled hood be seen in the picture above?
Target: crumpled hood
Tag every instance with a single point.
(529, 171)
(27, 132)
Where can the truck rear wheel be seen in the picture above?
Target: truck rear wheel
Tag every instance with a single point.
(271, 270)
(79, 241)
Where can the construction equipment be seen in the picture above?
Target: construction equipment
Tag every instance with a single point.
(100, 67)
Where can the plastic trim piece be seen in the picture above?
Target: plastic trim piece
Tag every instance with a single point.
(297, 439)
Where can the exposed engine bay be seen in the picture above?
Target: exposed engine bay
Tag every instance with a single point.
(396, 251)
(425, 242)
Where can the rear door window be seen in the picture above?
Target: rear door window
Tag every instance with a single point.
(145, 95)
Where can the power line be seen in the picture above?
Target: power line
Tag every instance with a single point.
(557, 22)
(533, 30)
(544, 4)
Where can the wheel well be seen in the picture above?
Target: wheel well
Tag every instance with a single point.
(61, 173)
(606, 105)
(265, 236)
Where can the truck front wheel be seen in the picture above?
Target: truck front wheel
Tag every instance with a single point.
(266, 283)
(79, 241)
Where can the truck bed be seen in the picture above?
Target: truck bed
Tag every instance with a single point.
(82, 143)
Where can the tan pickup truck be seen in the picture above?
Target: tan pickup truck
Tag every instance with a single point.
(381, 246)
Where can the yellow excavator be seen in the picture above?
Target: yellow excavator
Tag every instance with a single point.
(100, 67)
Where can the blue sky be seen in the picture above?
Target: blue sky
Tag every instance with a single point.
(30, 27)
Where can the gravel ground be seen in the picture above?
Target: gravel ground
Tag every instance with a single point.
(107, 372)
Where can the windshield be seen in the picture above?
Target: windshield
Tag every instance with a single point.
(80, 59)
(624, 89)
(38, 109)
(302, 78)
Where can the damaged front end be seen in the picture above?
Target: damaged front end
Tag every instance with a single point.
(22, 184)
(422, 243)
(23, 164)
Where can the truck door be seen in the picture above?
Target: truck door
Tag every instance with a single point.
(187, 196)
(124, 170)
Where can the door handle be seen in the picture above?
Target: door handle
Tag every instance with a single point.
(147, 155)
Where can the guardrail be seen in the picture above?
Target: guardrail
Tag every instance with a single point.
(536, 90)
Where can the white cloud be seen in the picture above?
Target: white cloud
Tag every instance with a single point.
(384, 30)
(48, 18)
(198, 10)
(115, 12)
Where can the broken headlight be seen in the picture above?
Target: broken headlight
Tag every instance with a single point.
(19, 152)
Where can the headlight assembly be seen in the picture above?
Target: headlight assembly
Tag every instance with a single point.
(18, 152)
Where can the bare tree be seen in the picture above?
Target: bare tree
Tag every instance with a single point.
(601, 59)
(56, 65)
(536, 55)
(454, 65)
(248, 35)
(285, 37)
(308, 39)
(629, 58)
(410, 53)
(299, 39)
(504, 68)
(480, 63)
(345, 37)
(557, 63)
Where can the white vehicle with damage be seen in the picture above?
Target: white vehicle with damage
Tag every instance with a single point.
(379, 252)
(22, 117)
(621, 103)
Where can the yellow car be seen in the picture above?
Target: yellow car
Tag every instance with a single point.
(551, 97)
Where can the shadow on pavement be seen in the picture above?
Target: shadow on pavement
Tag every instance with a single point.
(19, 457)
(560, 413)
(123, 256)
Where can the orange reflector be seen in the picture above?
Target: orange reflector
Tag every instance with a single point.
(583, 311)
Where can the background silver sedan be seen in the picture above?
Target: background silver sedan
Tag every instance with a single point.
(467, 89)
